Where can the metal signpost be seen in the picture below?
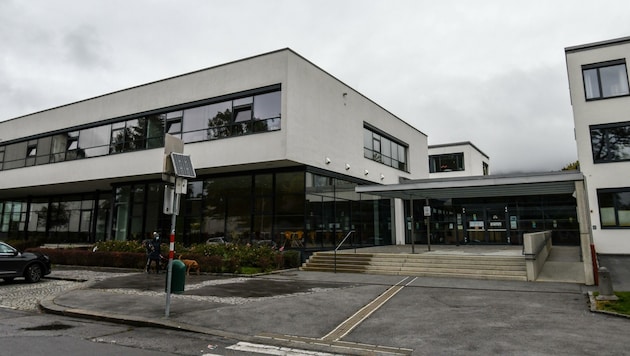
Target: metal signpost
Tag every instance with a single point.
(177, 167)
(427, 213)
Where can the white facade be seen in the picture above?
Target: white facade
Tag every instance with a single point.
(321, 127)
(322, 124)
(475, 162)
(601, 113)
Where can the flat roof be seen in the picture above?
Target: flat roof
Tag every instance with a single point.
(593, 45)
(463, 143)
(479, 186)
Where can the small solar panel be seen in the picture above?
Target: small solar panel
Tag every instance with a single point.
(182, 165)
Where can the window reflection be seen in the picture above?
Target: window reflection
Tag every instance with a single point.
(267, 106)
(610, 143)
(246, 115)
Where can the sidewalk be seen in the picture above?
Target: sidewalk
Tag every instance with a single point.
(300, 309)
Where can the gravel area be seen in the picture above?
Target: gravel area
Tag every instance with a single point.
(21, 295)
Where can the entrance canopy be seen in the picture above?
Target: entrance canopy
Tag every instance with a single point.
(479, 186)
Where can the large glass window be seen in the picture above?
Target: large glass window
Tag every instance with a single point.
(605, 80)
(225, 118)
(610, 142)
(218, 121)
(446, 162)
(614, 207)
(387, 150)
(15, 155)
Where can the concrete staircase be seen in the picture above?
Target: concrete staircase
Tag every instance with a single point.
(425, 264)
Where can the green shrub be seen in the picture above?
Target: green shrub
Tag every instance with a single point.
(217, 258)
(292, 259)
(214, 263)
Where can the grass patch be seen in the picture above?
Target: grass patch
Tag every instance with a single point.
(250, 270)
(621, 306)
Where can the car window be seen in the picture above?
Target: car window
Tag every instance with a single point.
(6, 249)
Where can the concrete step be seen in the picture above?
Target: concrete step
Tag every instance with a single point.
(418, 273)
(420, 263)
(434, 265)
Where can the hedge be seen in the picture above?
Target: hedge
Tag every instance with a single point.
(211, 258)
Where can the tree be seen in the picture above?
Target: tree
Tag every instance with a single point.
(575, 166)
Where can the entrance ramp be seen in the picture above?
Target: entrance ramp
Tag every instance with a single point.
(564, 264)
(472, 262)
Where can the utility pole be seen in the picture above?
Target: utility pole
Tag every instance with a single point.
(177, 167)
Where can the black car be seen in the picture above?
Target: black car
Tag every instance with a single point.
(30, 265)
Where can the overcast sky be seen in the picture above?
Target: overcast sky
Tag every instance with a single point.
(489, 72)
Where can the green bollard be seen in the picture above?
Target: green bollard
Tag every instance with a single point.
(178, 277)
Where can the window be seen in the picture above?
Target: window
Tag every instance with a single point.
(605, 80)
(610, 142)
(257, 110)
(446, 162)
(31, 150)
(386, 150)
(614, 207)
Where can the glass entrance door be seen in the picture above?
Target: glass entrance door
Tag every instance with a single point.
(486, 224)
(497, 225)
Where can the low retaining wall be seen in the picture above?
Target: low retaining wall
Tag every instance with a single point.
(536, 248)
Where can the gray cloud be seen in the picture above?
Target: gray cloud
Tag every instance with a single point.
(491, 72)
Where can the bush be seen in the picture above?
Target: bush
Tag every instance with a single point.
(292, 259)
(219, 258)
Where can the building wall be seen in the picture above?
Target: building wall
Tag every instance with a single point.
(322, 126)
(326, 118)
(318, 121)
(586, 113)
(474, 159)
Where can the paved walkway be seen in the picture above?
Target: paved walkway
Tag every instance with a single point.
(358, 314)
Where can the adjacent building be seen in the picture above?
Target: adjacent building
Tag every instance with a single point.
(600, 96)
(458, 159)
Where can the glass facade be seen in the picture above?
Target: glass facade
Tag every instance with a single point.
(67, 219)
(292, 208)
(500, 220)
(241, 114)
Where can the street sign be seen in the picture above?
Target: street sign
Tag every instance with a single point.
(427, 210)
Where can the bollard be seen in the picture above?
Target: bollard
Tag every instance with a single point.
(178, 279)
(605, 285)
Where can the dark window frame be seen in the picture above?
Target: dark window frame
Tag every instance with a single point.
(459, 162)
(616, 205)
(598, 67)
(72, 151)
(377, 154)
(607, 147)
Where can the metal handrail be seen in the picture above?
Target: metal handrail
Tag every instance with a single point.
(341, 243)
